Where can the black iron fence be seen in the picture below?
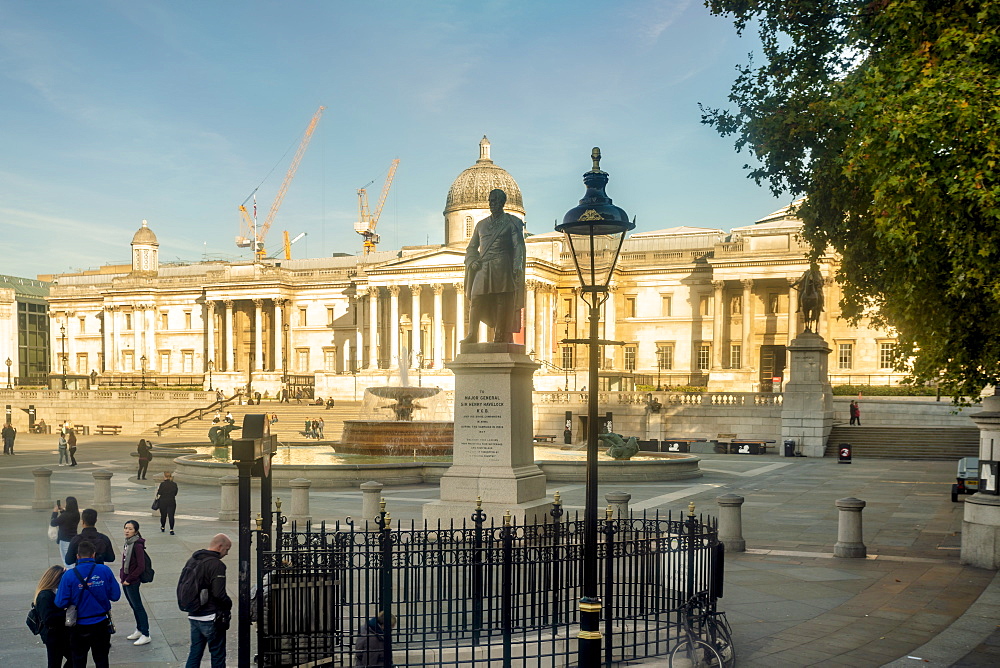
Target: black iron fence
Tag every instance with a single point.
(478, 593)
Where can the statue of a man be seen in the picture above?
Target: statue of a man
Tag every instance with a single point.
(494, 273)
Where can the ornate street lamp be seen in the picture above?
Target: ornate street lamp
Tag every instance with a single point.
(659, 367)
(9, 386)
(595, 231)
(142, 365)
(210, 365)
(62, 338)
(565, 360)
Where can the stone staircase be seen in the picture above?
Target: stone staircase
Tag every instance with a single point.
(905, 442)
(290, 424)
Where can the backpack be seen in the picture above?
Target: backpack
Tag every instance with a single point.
(191, 595)
(147, 575)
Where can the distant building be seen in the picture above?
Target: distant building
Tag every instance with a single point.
(24, 331)
(693, 306)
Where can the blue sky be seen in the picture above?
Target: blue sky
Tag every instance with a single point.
(112, 112)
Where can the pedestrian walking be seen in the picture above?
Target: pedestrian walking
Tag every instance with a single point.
(8, 433)
(320, 426)
(54, 633)
(145, 456)
(71, 442)
(91, 587)
(166, 494)
(63, 450)
(104, 549)
(369, 649)
(209, 615)
(68, 521)
(314, 428)
(855, 413)
(133, 566)
(308, 429)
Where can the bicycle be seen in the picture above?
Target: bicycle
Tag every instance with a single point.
(707, 638)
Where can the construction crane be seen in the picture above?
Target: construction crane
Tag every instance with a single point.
(288, 243)
(366, 225)
(252, 234)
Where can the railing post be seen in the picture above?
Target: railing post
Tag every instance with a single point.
(507, 584)
(692, 524)
(850, 541)
(731, 522)
(557, 560)
(385, 581)
(102, 492)
(609, 573)
(43, 489)
(478, 518)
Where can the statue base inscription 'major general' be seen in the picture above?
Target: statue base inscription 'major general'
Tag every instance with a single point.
(494, 454)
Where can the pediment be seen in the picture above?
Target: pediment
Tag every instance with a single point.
(442, 257)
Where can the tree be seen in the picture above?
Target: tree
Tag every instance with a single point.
(884, 115)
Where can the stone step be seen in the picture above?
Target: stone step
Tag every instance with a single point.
(906, 442)
(291, 421)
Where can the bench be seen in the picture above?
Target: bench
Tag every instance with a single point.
(109, 429)
(749, 447)
(544, 438)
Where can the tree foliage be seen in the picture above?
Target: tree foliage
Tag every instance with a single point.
(885, 114)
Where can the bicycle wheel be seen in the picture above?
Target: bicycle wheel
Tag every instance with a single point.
(724, 646)
(694, 654)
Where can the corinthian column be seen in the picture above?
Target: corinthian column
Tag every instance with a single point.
(415, 326)
(279, 331)
(529, 316)
(746, 312)
(107, 333)
(793, 307)
(209, 332)
(438, 325)
(372, 327)
(459, 314)
(227, 337)
(258, 334)
(718, 312)
(394, 327)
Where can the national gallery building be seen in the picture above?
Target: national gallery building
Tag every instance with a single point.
(692, 305)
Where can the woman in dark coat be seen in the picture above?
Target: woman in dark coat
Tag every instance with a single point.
(68, 520)
(133, 565)
(145, 456)
(54, 633)
(167, 495)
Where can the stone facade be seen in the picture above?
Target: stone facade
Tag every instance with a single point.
(694, 306)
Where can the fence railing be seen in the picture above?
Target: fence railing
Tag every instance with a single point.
(477, 593)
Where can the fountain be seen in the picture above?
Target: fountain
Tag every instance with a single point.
(400, 420)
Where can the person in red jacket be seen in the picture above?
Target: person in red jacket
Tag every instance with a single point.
(133, 565)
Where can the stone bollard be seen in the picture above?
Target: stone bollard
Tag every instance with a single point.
(371, 495)
(43, 490)
(229, 506)
(102, 492)
(300, 500)
(731, 522)
(850, 541)
(619, 503)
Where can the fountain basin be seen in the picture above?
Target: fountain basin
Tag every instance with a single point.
(399, 438)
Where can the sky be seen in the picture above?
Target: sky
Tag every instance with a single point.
(115, 111)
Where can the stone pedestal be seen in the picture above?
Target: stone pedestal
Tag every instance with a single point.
(494, 455)
(654, 424)
(43, 489)
(371, 496)
(618, 502)
(102, 492)
(850, 537)
(731, 522)
(229, 506)
(807, 400)
(300, 500)
(981, 521)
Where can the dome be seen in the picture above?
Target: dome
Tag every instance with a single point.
(471, 190)
(144, 235)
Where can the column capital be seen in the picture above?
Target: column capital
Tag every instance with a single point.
(228, 303)
(459, 287)
(258, 302)
(279, 302)
(373, 291)
(747, 283)
(438, 289)
(718, 285)
(394, 290)
(416, 288)
(791, 282)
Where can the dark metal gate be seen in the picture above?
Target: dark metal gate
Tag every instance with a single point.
(478, 593)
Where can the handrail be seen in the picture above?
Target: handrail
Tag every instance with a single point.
(550, 365)
(181, 419)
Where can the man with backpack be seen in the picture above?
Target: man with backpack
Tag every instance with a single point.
(201, 592)
(90, 587)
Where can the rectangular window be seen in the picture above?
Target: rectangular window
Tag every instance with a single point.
(630, 358)
(164, 361)
(302, 317)
(128, 361)
(665, 355)
(100, 362)
(666, 305)
(886, 352)
(330, 317)
(128, 321)
(845, 356)
(735, 356)
(567, 357)
(187, 319)
(81, 363)
(163, 321)
(187, 357)
(568, 306)
(705, 305)
(302, 359)
(329, 358)
(704, 357)
(83, 325)
(630, 307)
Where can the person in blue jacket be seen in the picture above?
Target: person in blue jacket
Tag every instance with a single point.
(91, 587)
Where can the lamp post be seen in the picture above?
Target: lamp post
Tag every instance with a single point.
(420, 369)
(595, 231)
(9, 386)
(142, 364)
(62, 338)
(566, 367)
(210, 365)
(659, 366)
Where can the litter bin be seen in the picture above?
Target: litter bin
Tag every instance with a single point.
(789, 448)
(844, 453)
